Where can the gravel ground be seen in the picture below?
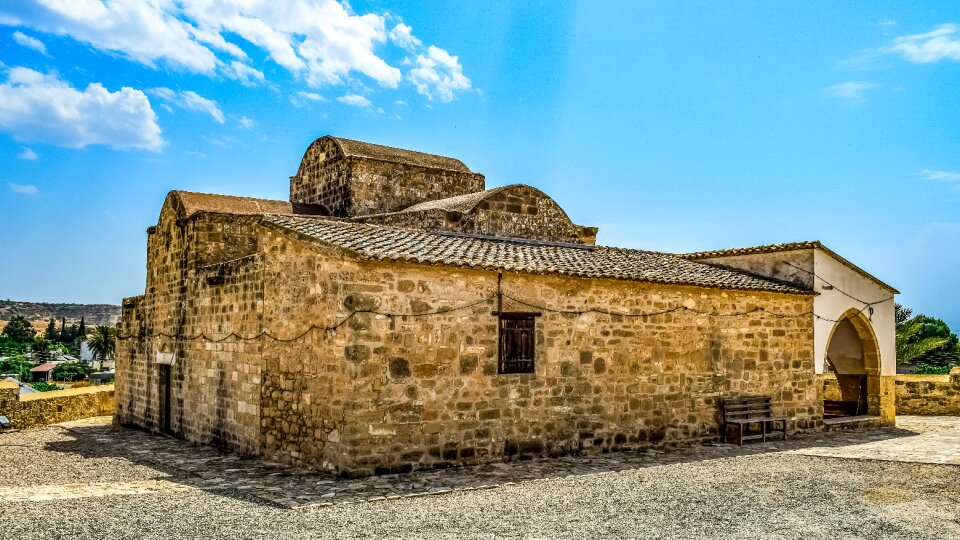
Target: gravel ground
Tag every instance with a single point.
(772, 495)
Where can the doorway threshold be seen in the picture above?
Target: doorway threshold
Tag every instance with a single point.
(851, 422)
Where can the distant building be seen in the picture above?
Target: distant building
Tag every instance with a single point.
(86, 355)
(43, 372)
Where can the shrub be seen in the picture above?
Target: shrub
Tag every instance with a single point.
(41, 386)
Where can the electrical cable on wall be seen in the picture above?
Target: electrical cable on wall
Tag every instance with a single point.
(497, 296)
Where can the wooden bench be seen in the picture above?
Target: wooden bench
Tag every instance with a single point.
(751, 411)
(833, 408)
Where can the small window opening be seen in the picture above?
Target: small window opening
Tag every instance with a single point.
(517, 342)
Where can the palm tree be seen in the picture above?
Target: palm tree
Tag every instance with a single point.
(103, 343)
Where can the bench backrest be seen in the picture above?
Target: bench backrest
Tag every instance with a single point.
(739, 408)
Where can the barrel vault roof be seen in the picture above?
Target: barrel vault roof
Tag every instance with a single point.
(351, 148)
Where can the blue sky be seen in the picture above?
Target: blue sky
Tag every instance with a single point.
(671, 126)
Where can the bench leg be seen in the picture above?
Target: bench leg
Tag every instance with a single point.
(740, 442)
(763, 427)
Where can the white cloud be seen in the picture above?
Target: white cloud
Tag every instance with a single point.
(190, 101)
(320, 40)
(942, 176)
(243, 73)
(323, 42)
(144, 31)
(402, 36)
(438, 74)
(246, 123)
(30, 43)
(41, 107)
(23, 189)
(195, 102)
(311, 96)
(354, 100)
(28, 155)
(850, 91)
(939, 44)
(887, 22)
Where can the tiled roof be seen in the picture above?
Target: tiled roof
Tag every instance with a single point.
(460, 203)
(792, 246)
(770, 248)
(46, 366)
(398, 155)
(228, 204)
(377, 242)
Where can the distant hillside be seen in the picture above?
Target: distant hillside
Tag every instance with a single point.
(91, 313)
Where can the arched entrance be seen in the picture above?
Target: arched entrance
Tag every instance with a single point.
(854, 356)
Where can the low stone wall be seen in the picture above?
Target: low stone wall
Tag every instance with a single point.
(929, 395)
(54, 407)
(920, 395)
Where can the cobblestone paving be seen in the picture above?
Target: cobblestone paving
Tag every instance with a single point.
(179, 466)
(935, 439)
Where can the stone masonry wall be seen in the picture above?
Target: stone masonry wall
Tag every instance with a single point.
(517, 212)
(928, 395)
(45, 408)
(203, 279)
(388, 393)
(354, 186)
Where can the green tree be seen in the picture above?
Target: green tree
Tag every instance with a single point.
(82, 330)
(41, 348)
(19, 330)
(901, 314)
(70, 371)
(103, 342)
(16, 364)
(51, 333)
(920, 335)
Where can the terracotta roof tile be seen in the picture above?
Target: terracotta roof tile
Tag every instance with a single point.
(377, 242)
(398, 155)
(228, 204)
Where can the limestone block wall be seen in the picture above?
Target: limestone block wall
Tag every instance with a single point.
(927, 395)
(203, 287)
(392, 393)
(355, 186)
(44, 408)
(517, 211)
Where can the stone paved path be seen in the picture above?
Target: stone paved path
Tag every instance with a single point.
(935, 439)
(181, 466)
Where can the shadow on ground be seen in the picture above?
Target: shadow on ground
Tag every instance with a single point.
(231, 475)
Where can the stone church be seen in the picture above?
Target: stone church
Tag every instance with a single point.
(395, 314)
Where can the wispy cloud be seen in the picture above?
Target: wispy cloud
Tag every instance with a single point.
(941, 176)
(941, 43)
(23, 189)
(886, 22)
(849, 91)
(28, 155)
(243, 73)
(246, 123)
(354, 100)
(36, 106)
(190, 101)
(30, 42)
